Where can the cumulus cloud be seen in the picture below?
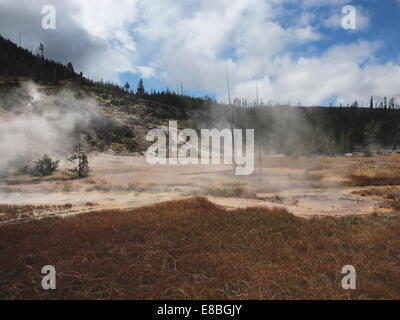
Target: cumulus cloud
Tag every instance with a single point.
(91, 49)
(348, 71)
(334, 20)
(274, 42)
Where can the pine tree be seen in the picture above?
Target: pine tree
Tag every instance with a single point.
(83, 163)
(342, 144)
(392, 103)
(70, 67)
(127, 86)
(140, 89)
(41, 50)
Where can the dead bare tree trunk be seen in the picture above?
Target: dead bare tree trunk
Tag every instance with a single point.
(232, 121)
(258, 128)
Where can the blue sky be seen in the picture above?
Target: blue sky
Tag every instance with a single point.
(383, 26)
(293, 50)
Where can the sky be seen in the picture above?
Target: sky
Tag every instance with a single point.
(294, 51)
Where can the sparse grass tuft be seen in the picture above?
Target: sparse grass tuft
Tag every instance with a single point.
(231, 190)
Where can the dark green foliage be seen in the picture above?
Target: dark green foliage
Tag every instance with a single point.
(19, 62)
(82, 169)
(190, 106)
(41, 50)
(141, 92)
(317, 130)
(70, 67)
(305, 130)
(44, 167)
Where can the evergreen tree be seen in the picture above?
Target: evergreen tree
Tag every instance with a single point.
(140, 89)
(392, 103)
(70, 67)
(83, 163)
(41, 50)
(342, 143)
(371, 132)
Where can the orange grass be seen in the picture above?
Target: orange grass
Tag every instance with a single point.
(378, 180)
(193, 249)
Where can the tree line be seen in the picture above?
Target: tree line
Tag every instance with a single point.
(317, 130)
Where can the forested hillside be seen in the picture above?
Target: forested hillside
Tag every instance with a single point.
(128, 114)
(124, 119)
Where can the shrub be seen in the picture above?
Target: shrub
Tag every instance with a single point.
(44, 167)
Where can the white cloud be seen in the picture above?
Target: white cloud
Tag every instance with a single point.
(338, 71)
(334, 21)
(194, 42)
(105, 18)
(147, 72)
(88, 34)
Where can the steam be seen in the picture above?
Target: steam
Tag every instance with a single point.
(278, 129)
(36, 123)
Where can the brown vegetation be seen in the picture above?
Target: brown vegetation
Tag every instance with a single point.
(390, 195)
(194, 249)
(378, 180)
(21, 212)
(379, 171)
(236, 190)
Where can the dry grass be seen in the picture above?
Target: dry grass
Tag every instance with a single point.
(132, 186)
(390, 196)
(228, 190)
(377, 180)
(193, 249)
(238, 189)
(15, 212)
(24, 179)
(380, 171)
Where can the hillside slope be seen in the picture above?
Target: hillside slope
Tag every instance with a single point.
(125, 118)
